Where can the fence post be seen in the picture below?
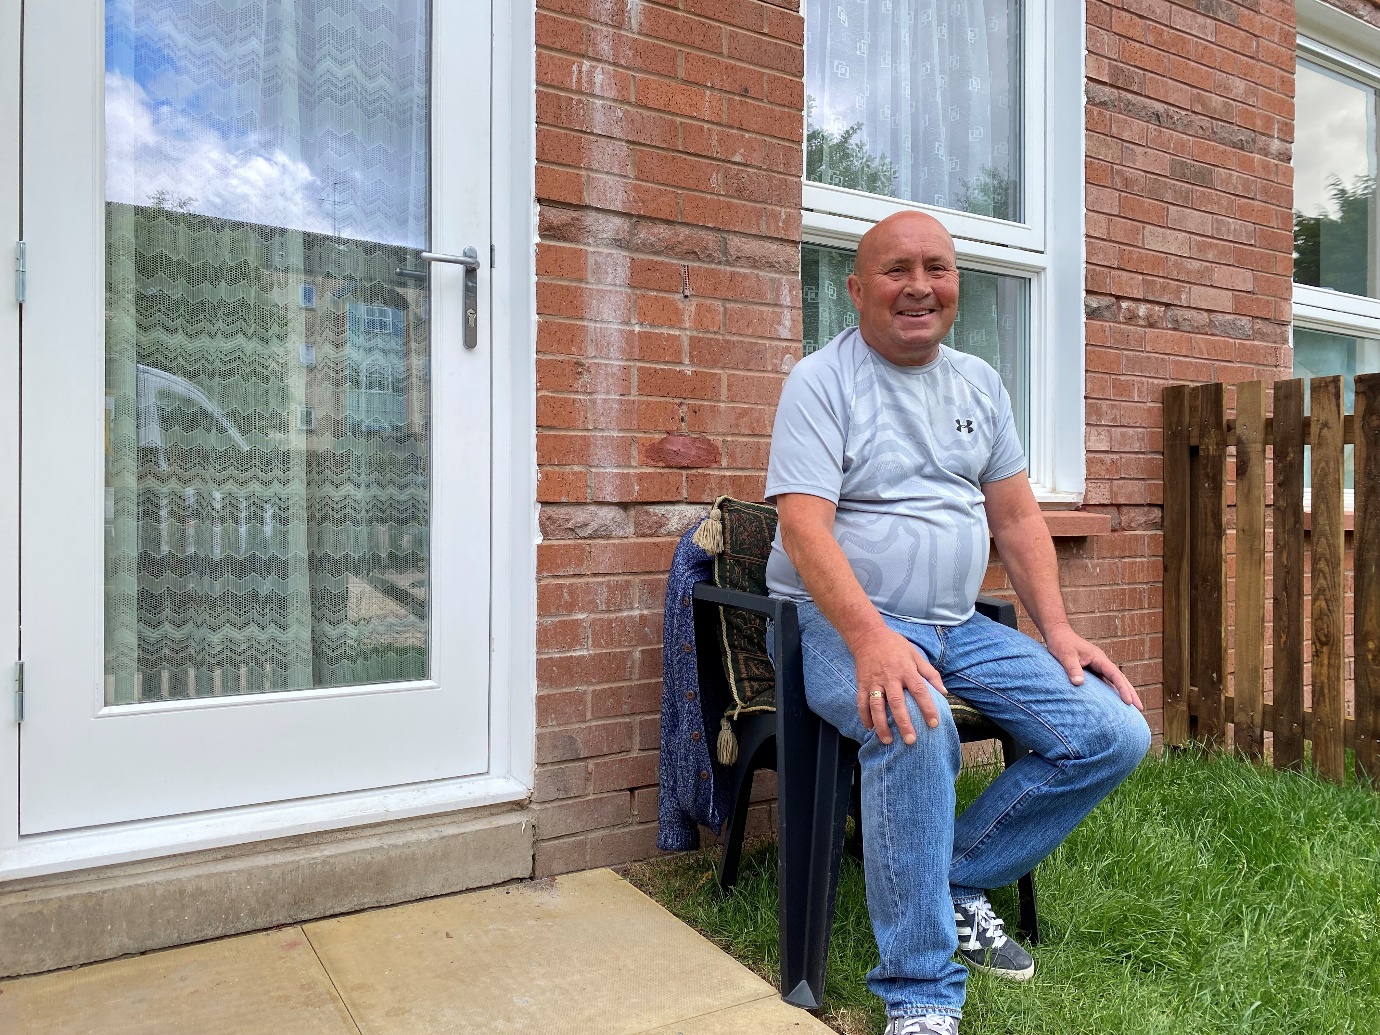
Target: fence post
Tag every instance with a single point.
(1366, 553)
(1288, 574)
(1176, 550)
(1250, 569)
(1328, 573)
(1209, 563)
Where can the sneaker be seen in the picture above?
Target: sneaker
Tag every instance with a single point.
(929, 1024)
(983, 944)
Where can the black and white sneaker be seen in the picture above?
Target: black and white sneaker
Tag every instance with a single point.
(983, 944)
(929, 1024)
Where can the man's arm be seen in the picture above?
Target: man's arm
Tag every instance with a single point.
(885, 660)
(1027, 553)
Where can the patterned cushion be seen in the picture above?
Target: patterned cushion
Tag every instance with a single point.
(748, 531)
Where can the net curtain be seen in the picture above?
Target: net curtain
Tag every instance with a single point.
(934, 88)
(266, 524)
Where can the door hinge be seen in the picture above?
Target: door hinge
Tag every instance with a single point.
(18, 692)
(21, 272)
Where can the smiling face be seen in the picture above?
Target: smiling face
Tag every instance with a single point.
(905, 287)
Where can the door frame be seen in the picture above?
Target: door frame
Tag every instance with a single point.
(512, 686)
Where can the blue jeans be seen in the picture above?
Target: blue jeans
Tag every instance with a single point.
(918, 858)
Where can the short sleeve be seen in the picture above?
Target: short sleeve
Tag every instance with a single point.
(808, 437)
(1008, 456)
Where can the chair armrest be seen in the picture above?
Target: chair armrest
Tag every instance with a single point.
(1001, 611)
(738, 600)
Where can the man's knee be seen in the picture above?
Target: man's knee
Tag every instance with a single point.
(1123, 739)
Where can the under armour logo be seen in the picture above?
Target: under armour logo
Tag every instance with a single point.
(964, 425)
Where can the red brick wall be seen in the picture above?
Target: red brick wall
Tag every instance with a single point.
(668, 145)
(668, 300)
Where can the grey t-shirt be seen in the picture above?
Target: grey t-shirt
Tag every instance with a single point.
(904, 453)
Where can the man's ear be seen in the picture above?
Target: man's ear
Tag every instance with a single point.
(855, 290)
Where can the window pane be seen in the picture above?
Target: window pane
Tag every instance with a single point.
(1319, 354)
(1334, 182)
(917, 99)
(993, 318)
(267, 346)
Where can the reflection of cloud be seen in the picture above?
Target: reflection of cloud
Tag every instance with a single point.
(1334, 137)
(155, 149)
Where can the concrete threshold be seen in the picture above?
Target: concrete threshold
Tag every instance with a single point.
(99, 914)
(583, 954)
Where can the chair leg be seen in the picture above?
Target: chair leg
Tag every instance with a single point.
(1029, 925)
(758, 738)
(811, 851)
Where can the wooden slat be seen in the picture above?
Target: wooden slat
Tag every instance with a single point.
(1176, 584)
(1287, 718)
(1328, 579)
(1250, 568)
(1366, 590)
(1195, 418)
(1209, 565)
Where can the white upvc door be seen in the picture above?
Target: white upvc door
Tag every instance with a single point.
(256, 404)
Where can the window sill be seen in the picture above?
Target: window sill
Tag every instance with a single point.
(1076, 524)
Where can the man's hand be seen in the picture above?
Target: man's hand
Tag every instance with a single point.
(1076, 654)
(888, 662)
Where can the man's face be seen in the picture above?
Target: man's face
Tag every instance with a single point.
(906, 288)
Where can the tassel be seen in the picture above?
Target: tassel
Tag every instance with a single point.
(728, 743)
(709, 537)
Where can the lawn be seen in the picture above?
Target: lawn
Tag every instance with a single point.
(1207, 895)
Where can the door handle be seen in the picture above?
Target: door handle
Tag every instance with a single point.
(469, 258)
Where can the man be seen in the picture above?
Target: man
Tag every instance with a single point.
(891, 457)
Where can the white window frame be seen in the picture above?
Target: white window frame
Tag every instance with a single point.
(1047, 248)
(1330, 37)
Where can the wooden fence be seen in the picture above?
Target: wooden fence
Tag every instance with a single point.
(1198, 702)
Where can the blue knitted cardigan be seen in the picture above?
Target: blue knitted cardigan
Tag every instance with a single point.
(694, 788)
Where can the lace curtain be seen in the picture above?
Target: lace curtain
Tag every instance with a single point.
(917, 99)
(267, 345)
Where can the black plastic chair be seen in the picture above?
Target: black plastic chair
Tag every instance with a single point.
(816, 782)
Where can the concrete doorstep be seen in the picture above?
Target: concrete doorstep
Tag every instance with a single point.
(584, 954)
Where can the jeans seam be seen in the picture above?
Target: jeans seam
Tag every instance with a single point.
(1017, 705)
(1006, 813)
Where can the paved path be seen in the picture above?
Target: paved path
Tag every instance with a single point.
(583, 954)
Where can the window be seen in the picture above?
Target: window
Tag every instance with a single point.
(1336, 217)
(971, 110)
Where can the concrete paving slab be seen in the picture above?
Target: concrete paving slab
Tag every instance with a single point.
(251, 985)
(764, 1017)
(584, 954)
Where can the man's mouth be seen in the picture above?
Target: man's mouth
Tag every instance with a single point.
(916, 312)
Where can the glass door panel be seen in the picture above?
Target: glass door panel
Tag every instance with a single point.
(267, 462)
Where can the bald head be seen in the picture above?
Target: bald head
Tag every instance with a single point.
(905, 287)
(884, 234)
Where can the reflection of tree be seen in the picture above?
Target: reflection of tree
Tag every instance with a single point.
(1333, 251)
(990, 193)
(841, 160)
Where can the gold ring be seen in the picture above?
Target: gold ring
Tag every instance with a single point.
(876, 693)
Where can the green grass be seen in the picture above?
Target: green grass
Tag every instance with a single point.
(1206, 896)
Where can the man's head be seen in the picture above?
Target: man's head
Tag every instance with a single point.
(905, 287)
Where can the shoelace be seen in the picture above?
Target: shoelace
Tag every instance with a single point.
(987, 921)
(930, 1024)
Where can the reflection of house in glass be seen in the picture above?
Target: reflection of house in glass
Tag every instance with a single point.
(268, 462)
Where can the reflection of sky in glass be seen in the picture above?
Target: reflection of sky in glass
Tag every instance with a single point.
(1334, 136)
(305, 114)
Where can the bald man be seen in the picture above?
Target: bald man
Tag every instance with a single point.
(891, 459)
